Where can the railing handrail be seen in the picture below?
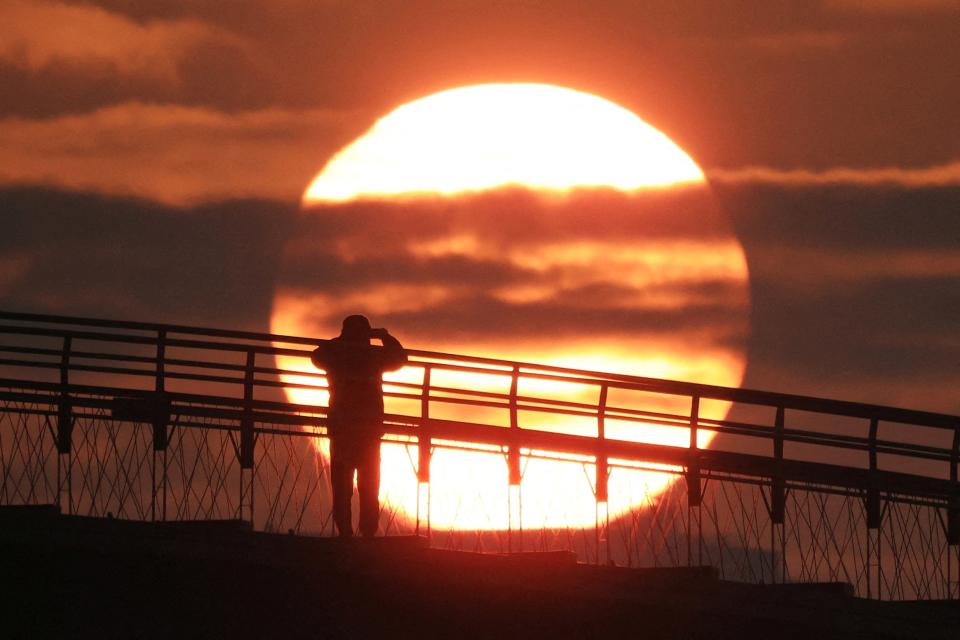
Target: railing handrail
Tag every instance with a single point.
(714, 392)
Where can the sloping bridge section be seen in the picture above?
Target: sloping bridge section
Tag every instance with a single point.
(161, 422)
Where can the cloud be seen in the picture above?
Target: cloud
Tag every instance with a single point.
(175, 154)
(39, 34)
(938, 175)
(58, 58)
(181, 154)
(687, 68)
(843, 218)
(853, 290)
(657, 266)
(894, 6)
(91, 255)
(825, 41)
(888, 341)
(857, 265)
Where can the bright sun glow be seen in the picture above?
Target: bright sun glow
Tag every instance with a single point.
(546, 139)
(487, 136)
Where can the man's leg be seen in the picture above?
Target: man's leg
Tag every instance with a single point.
(368, 486)
(341, 484)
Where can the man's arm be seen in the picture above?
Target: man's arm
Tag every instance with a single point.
(393, 355)
(320, 356)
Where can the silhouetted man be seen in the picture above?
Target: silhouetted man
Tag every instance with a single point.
(355, 420)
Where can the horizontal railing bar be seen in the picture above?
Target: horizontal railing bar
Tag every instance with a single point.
(761, 398)
(585, 409)
(143, 373)
(804, 437)
(677, 421)
(152, 340)
(74, 389)
(747, 464)
(36, 364)
(153, 326)
(31, 350)
(797, 436)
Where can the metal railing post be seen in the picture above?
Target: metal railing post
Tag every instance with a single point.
(514, 497)
(602, 479)
(424, 454)
(247, 438)
(874, 509)
(953, 515)
(159, 425)
(778, 500)
(65, 423)
(694, 488)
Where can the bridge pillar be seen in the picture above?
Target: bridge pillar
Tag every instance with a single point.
(158, 411)
(424, 455)
(778, 502)
(64, 426)
(64, 442)
(602, 532)
(154, 410)
(602, 483)
(953, 511)
(64, 435)
(65, 408)
(513, 457)
(874, 512)
(161, 437)
(514, 472)
(778, 486)
(777, 510)
(953, 547)
(247, 442)
(953, 520)
(694, 486)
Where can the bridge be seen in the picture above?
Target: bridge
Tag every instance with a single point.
(159, 422)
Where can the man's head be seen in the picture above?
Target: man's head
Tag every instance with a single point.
(356, 328)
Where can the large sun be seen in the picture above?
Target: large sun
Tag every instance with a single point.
(528, 222)
(487, 136)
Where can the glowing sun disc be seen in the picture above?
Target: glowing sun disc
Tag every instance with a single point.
(465, 144)
(487, 136)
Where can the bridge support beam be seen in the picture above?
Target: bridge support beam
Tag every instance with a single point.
(247, 443)
(694, 487)
(953, 520)
(778, 503)
(160, 424)
(874, 512)
(424, 456)
(64, 435)
(514, 472)
(154, 410)
(777, 510)
(64, 426)
(64, 442)
(602, 533)
(952, 531)
(602, 484)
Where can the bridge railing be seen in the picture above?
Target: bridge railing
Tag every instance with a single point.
(256, 383)
(239, 371)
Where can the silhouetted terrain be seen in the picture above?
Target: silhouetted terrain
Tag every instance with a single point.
(86, 577)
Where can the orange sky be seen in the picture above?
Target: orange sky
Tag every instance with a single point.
(145, 98)
(827, 130)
